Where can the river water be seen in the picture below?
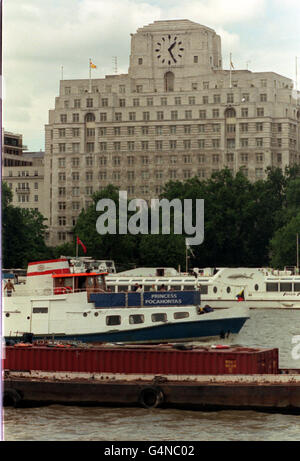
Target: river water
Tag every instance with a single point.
(265, 328)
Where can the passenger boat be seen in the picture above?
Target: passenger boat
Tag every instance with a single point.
(220, 287)
(59, 304)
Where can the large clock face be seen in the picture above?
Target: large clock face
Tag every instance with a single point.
(169, 49)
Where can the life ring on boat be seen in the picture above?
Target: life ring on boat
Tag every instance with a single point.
(11, 398)
(62, 290)
(151, 397)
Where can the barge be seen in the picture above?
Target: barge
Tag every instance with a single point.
(173, 375)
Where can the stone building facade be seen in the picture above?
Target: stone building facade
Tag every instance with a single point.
(24, 173)
(175, 115)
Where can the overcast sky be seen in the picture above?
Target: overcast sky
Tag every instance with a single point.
(39, 37)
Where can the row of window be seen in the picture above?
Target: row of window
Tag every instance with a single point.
(286, 286)
(205, 85)
(163, 101)
(158, 160)
(172, 144)
(164, 129)
(160, 115)
(144, 189)
(134, 319)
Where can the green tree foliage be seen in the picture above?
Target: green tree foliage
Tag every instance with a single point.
(123, 248)
(23, 233)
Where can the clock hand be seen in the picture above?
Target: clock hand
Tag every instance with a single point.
(171, 47)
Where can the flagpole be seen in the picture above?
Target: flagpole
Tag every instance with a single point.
(76, 247)
(90, 77)
(230, 83)
(62, 72)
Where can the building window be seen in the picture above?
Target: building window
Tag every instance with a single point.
(216, 113)
(202, 114)
(132, 116)
(118, 116)
(140, 61)
(77, 103)
(89, 102)
(195, 59)
(90, 146)
(158, 145)
(61, 162)
(146, 116)
(122, 102)
(259, 126)
(103, 117)
(75, 118)
(63, 118)
(260, 112)
(104, 102)
(259, 158)
(174, 115)
(244, 112)
(139, 88)
(75, 132)
(75, 162)
(136, 102)
(188, 114)
(192, 100)
(130, 145)
(90, 117)
(163, 101)
(75, 176)
(263, 97)
(160, 115)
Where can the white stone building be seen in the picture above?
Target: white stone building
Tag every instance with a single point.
(175, 115)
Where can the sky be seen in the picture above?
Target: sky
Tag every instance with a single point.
(40, 37)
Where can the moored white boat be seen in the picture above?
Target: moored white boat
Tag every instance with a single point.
(60, 304)
(219, 287)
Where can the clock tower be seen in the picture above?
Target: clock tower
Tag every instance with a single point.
(182, 47)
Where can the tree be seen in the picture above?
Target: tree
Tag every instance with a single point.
(284, 244)
(23, 233)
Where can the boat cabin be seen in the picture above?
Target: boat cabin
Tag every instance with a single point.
(90, 282)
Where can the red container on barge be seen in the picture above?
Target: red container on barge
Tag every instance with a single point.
(142, 360)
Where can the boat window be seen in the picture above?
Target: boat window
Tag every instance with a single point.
(286, 287)
(176, 287)
(188, 287)
(159, 317)
(181, 315)
(272, 286)
(40, 310)
(136, 318)
(113, 320)
(203, 289)
(228, 289)
(256, 287)
(121, 288)
(215, 289)
(147, 287)
(296, 286)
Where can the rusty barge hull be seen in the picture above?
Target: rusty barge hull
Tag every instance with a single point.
(269, 393)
